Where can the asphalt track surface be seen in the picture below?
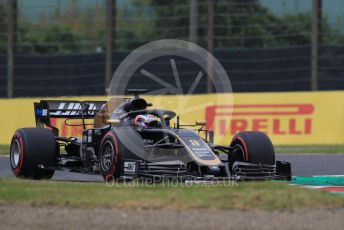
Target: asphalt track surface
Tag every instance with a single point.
(302, 165)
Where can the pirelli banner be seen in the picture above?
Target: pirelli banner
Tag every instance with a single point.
(288, 118)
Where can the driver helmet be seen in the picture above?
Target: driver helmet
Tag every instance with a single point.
(146, 121)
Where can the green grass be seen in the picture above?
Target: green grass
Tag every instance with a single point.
(310, 149)
(268, 195)
(4, 149)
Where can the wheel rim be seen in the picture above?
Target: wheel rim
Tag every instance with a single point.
(239, 153)
(107, 156)
(15, 153)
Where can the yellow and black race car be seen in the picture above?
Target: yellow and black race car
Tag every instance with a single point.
(129, 141)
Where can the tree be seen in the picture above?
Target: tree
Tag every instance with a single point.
(238, 23)
(55, 39)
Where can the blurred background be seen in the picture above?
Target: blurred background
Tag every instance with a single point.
(72, 47)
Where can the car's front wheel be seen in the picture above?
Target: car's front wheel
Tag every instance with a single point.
(253, 147)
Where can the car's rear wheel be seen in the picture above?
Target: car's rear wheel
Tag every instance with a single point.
(30, 149)
(109, 156)
(252, 147)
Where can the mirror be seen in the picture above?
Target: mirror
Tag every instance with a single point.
(201, 123)
(113, 121)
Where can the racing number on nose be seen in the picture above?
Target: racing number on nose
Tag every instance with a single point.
(194, 142)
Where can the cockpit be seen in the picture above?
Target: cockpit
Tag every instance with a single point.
(134, 112)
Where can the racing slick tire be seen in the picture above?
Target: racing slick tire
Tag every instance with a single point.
(253, 147)
(30, 148)
(109, 157)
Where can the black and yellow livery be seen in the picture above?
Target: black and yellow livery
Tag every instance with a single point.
(118, 149)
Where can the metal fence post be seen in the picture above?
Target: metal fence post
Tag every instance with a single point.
(110, 40)
(11, 39)
(210, 43)
(193, 21)
(315, 37)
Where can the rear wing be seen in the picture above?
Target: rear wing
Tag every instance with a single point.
(69, 109)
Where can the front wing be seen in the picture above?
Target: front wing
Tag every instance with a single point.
(177, 170)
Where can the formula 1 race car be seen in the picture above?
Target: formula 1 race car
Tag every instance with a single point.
(129, 141)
